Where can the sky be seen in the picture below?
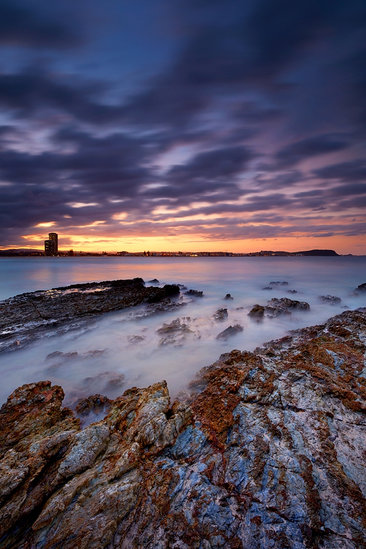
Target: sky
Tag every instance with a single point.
(202, 125)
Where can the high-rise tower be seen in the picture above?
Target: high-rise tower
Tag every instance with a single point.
(51, 245)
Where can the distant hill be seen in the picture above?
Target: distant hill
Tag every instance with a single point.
(318, 252)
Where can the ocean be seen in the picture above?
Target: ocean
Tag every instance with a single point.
(116, 351)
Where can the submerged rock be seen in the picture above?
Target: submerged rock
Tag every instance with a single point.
(194, 293)
(284, 305)
(257, 311)
(361, 289)
(330, 299)
(276, 307)
(220, 315)
(266, 452)
(230, 331)
(228, 296)
(174, 333)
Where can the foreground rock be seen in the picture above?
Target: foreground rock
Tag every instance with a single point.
(25, 317)
(266, 452)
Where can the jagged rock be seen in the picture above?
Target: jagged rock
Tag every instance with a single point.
(154, 281)
(220, 315)
(228, 296)
(330, 299)
(360, 289)
(266, 452)
(25, 317)
(257, 311)
(194, 293)
(174, 333)
(284, 305)
(230, 331)
(94, 404)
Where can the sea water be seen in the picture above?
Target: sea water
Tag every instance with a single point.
(118, 350)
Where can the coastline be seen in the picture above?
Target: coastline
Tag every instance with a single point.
(267, 448)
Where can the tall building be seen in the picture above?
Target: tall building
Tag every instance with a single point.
(51, 245)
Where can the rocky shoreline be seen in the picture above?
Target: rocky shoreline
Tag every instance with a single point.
(267, 451)
(28, 316)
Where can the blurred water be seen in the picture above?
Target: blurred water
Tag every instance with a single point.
(110, 358)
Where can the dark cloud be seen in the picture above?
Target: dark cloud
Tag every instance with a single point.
(307, 148)
(31, 92)
(344, 171)
(23, 26)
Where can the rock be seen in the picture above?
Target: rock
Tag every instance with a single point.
(292, 291)
(228, 296)
(94, 404)
(220, 315)
(267, 288)
(330, 299)
(174, 333)
(230, 331)
(25, 317)
(284, 305)
(277, 283)
(257, 311)
(267, 451)
(154, 281)
(194, 293)
(60, 355)
(104, 381)
(134, 339)
(361, 289)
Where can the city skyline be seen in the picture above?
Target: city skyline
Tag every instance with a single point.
(181, 125)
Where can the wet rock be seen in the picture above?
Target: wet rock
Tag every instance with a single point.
(194, 293)
(266, 451)
(228, 296)
(26, 317)
(330, 299)
(63, 356)
(135, 339)
(230, 331)
(220, 315)
(94, 404)
(284, 305)
(278, 283)
(103, 382)
(174, 333)
(257, 311)
(292, 291)
(361, 289)
(267, 288)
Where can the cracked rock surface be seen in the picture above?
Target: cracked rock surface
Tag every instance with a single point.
(267, 451)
